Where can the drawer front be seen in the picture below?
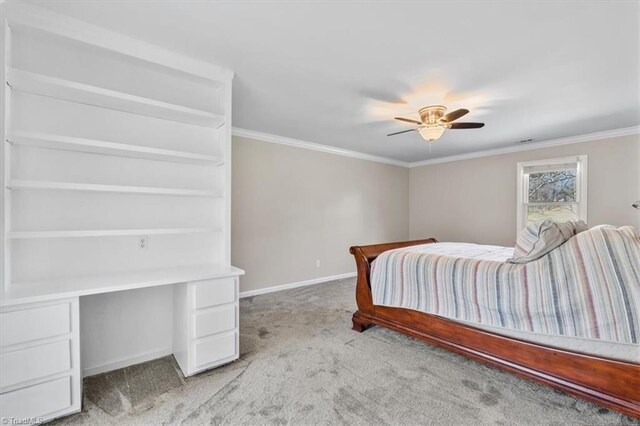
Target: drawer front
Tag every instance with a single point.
(37, 401)
(215, 349)
(32, 363)
(214, 292)
(215, 320)
(35, 323)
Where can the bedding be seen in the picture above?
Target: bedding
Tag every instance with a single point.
(538, 239)
(589, 287)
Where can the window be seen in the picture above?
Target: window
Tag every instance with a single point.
(552, 189)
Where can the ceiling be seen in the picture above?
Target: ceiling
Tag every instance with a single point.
(336, 73)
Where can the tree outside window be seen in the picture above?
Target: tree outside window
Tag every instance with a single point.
(552, 189)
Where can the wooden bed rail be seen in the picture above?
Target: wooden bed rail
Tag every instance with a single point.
(607, 382)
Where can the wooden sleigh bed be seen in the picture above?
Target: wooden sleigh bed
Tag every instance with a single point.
(606, 382)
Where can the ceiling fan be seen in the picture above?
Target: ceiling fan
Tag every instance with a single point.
(433, 122)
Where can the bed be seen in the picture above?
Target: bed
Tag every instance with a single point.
(568, 320)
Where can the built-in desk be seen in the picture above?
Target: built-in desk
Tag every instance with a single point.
(42, 291)
(40, 332)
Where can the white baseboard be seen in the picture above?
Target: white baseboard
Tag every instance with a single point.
(125, 362)
(296, 285)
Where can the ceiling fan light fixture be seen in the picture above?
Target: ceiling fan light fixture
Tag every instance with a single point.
(433, 122)
(431, 134)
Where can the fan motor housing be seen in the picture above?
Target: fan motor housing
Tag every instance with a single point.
(431, 114)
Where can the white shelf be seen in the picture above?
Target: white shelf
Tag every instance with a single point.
(27, 292)
(86, 94)
(20, 235)
(90, 187)
(65, 143)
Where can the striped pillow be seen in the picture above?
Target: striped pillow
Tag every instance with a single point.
(539, 238)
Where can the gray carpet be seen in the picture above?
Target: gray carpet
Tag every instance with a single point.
(301, 364)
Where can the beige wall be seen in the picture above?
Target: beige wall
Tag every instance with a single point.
(475, 200)
(294, 206)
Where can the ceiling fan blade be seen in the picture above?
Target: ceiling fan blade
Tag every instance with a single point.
(466, 125)
(404, 131)
(454, 115)
(408, 120)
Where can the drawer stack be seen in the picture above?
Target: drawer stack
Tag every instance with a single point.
(39, 360)
(206, 324)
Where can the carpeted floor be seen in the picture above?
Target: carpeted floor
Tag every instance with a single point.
(301, 364)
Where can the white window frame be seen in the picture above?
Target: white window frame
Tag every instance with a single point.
(581, 185)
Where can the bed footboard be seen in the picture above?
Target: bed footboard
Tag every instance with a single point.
(364, 255)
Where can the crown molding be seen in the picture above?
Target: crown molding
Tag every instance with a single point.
(626, 131)
(267, 137)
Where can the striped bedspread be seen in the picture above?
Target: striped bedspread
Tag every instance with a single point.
(588, 287)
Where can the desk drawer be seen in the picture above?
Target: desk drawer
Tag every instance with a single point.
(37, 401)
(215, 320)
(35, 323)
(36, 362)
(214, 292)
(215, 349)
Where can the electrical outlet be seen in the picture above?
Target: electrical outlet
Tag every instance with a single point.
(317, 263)
(143, 242)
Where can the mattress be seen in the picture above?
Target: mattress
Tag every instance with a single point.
(588, 288)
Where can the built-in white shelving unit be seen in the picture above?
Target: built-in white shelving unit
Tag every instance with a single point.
(169, 137)
(116, 177)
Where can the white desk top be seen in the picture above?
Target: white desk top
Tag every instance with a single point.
(28, 292)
